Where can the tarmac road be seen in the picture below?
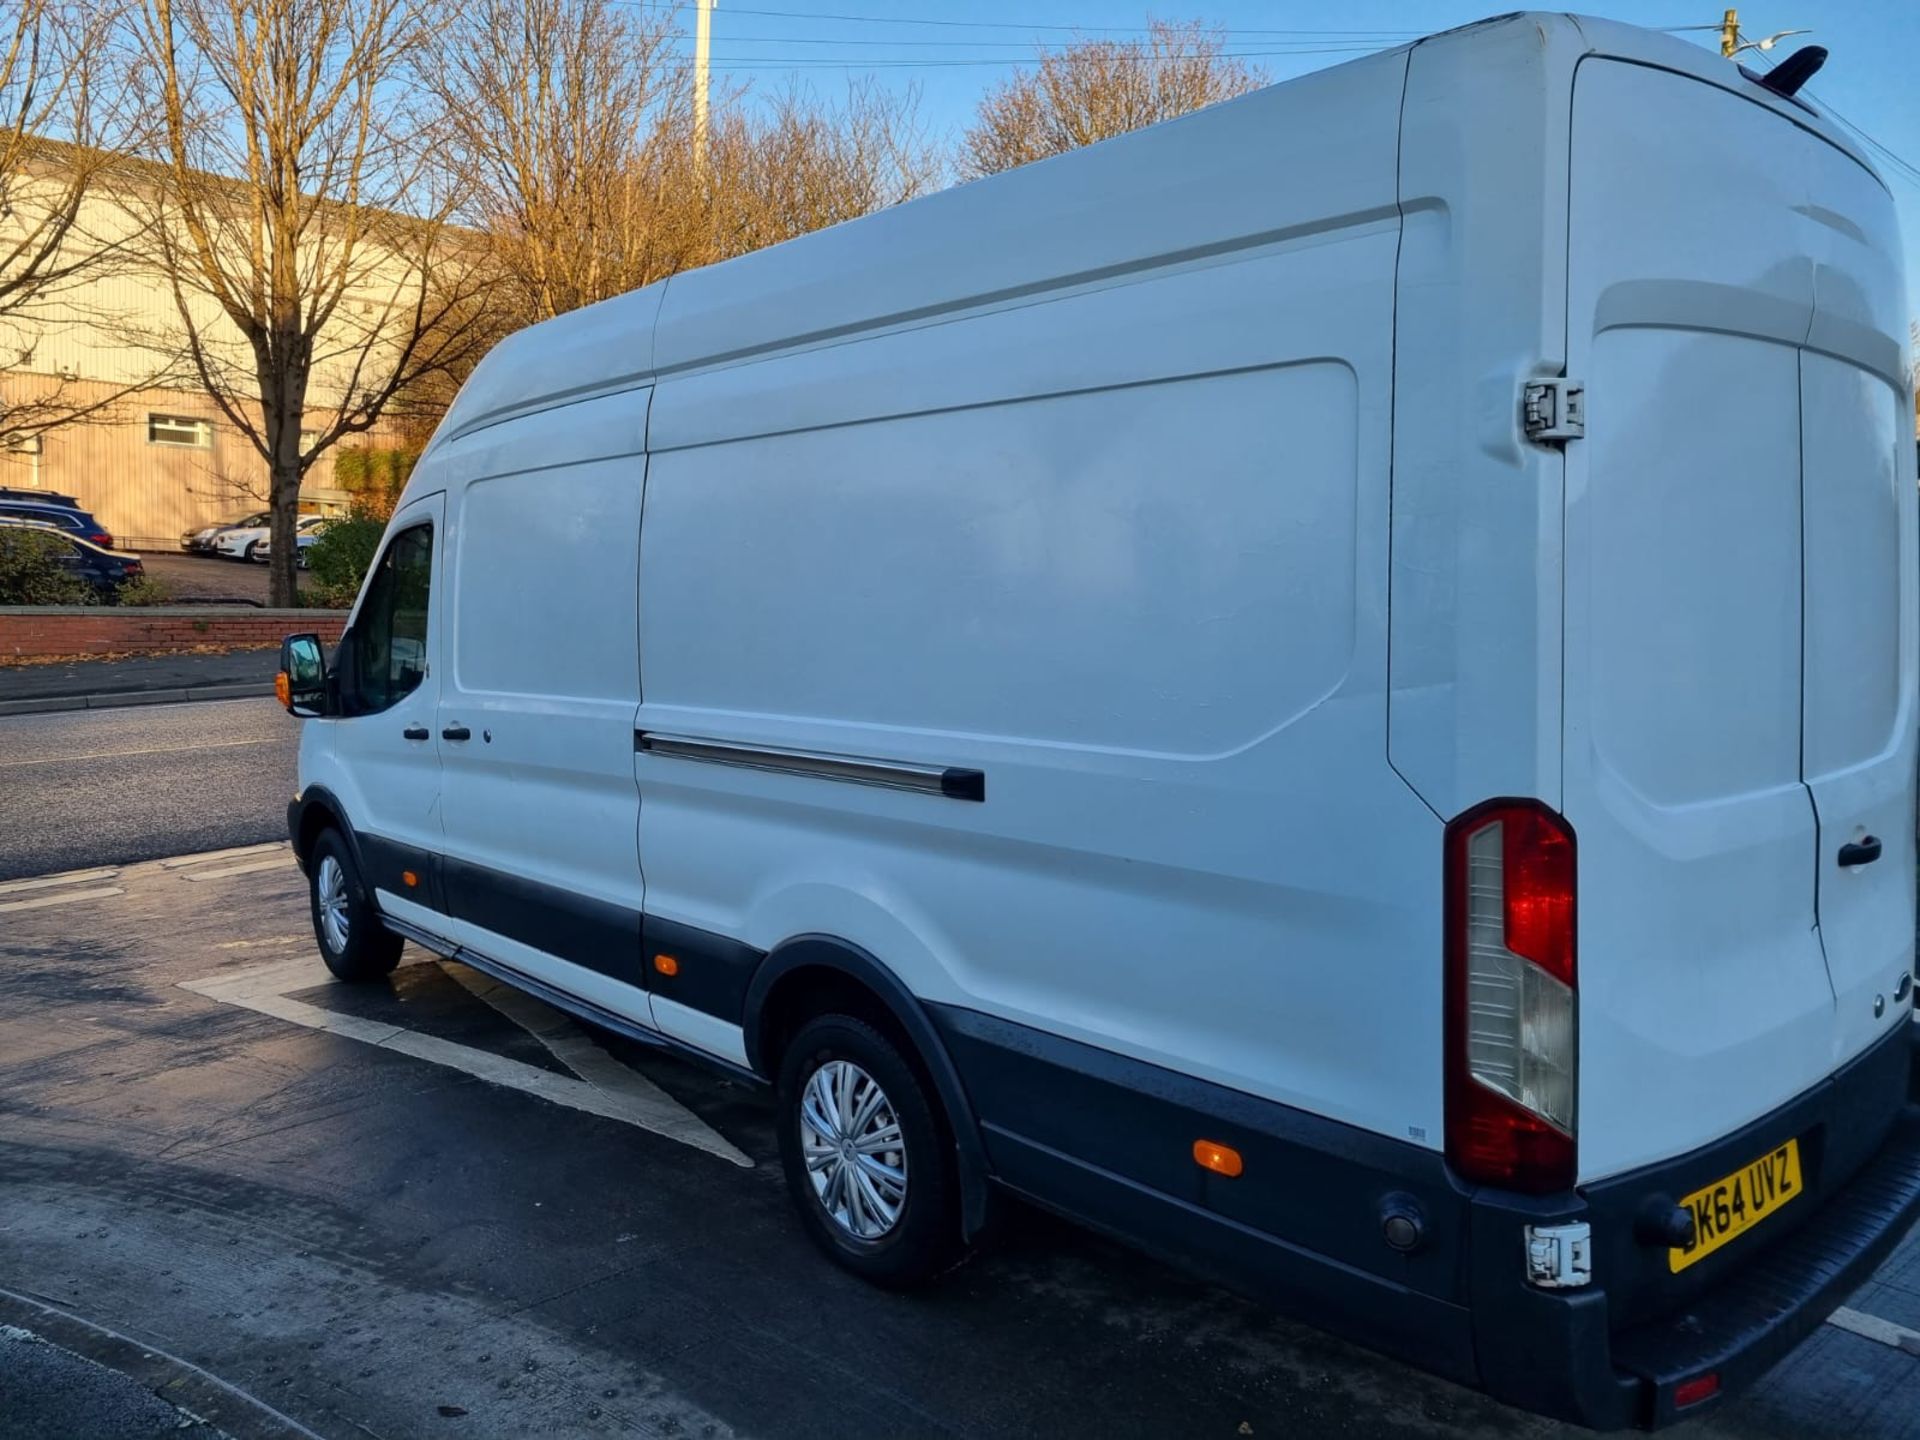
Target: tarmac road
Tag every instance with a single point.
(396, 1211)
(109, 787)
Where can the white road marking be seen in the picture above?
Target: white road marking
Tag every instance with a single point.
(124, 754)
(277, 862)
(72, 877)
(575, 1049)
(639, 1103)
(63, 897)
(1872, 1327)
(180, 862)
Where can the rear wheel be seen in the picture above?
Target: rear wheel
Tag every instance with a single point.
(868, 1159)
(353, 942)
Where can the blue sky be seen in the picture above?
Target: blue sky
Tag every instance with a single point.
(953, 50)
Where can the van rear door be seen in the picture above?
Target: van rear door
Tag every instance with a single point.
(1858, 517)
(1697, 671)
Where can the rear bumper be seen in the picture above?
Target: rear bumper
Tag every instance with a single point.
(1611, 1358)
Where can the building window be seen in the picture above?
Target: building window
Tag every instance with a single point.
(179, 430)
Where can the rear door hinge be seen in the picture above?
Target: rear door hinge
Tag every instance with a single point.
(1553, 411)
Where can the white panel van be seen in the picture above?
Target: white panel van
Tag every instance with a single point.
(1327, 687)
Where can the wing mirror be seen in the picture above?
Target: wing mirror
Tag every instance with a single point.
(301, 685)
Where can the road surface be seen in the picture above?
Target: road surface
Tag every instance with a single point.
(432, 1207)
(109, 787)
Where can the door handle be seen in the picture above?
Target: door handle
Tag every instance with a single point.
(456, 732)
(415, 732)
(1860, 852)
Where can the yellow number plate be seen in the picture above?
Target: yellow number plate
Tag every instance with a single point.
(1729, 1208)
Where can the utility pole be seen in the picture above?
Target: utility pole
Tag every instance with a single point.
(1729, 31)
(702, 53)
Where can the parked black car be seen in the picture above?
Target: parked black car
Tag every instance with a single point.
(63, 514)
(105, 570)
(43, 497)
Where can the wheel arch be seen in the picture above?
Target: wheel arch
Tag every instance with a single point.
(809, 967)
(317, 808)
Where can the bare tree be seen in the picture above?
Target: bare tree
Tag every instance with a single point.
(571, 122)
(309, 259)
(1095, 89)
(569, 119)
(61, 118)
(799, 163)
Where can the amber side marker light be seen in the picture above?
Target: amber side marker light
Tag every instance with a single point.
(666, 964)
(282, 688)
(1221, 1159)
(411, 878)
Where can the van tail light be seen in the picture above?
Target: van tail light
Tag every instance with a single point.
(1511, 997)
(1693, 1391)
(102, 539)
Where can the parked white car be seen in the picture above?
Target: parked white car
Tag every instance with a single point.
(201, 541)
(252, 542)
(1280, 684)
(312, 527)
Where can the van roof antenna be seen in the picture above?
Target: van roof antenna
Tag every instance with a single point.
(1790, 74)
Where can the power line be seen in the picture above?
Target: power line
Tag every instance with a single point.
(1901, 166)
(1021, 24)
(784, 62)
(1281, 47)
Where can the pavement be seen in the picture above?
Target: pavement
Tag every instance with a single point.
(434, 1206)
(137, 680)
(107, 787)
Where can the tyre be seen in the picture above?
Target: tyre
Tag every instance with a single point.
(250, 557)
(868, 1157)
(353, 942)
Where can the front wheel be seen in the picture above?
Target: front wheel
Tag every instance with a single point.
(868, 1158)
(353, 942)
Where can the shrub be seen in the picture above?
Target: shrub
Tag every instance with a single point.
(322, 596)
(338, 560)
(144, 591)
(31, 572)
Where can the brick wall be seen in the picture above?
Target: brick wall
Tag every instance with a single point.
(32, 630)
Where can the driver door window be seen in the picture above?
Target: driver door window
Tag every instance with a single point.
(390, 632)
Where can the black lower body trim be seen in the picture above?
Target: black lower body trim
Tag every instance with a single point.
(1761, 1312)
(386, 865)
(1110, 1140)
(1431, 1333)
(587, 932)
(710, 972)
(564, 1000)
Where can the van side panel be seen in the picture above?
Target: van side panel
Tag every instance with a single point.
(541, 669)
(1122, 551)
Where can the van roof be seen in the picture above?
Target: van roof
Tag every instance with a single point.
(1024, 231)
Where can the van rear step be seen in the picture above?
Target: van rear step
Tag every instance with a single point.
(1751, 1319)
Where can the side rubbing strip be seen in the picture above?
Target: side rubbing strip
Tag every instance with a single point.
(953, 782)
